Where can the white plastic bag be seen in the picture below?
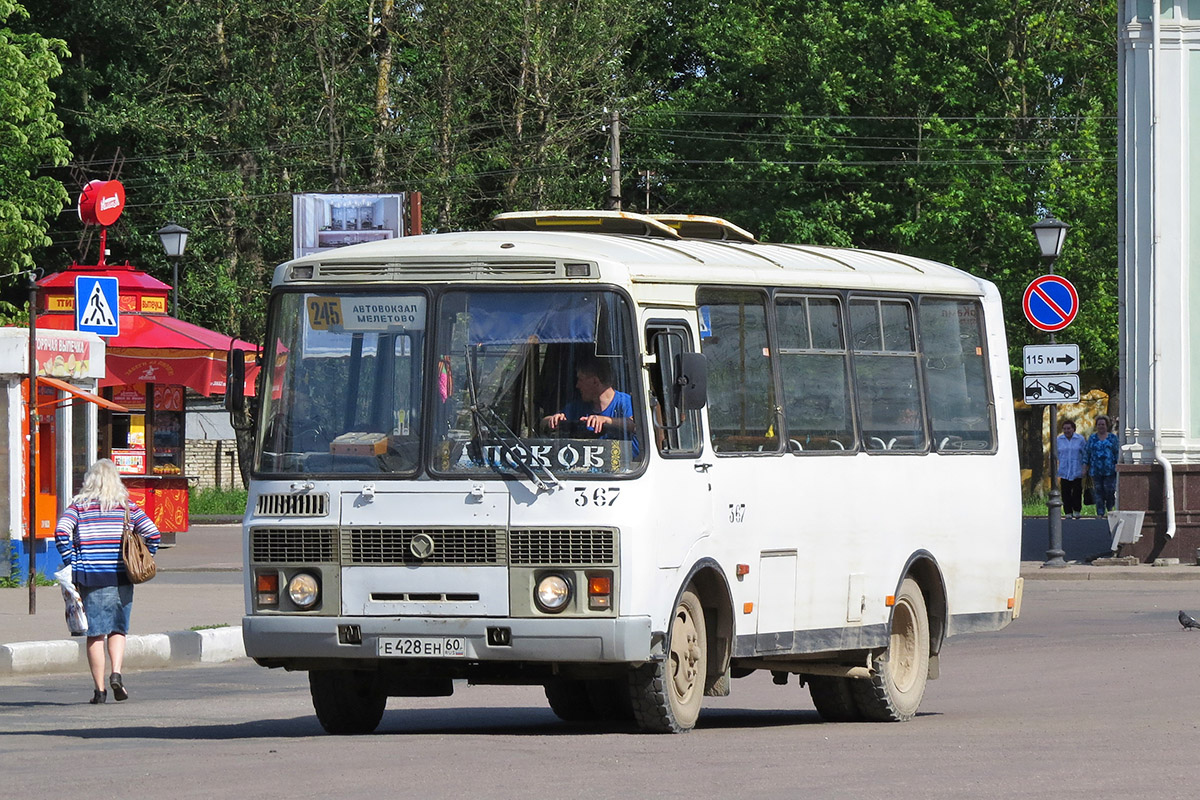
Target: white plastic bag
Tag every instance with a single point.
(77, 622)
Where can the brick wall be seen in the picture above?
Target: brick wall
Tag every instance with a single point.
(203, 456)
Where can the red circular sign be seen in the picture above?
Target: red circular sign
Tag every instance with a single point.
(1050, 303)
(101, 202)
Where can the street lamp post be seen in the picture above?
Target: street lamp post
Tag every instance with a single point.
(1050, 234)
(174, 240)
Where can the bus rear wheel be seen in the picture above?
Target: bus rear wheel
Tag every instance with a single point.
(895, 693)
(834, 698)
(598, 699)
(569, 700)
(346, 701)
(667, 695)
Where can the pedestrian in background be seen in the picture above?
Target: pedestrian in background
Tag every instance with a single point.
(1070, 469)
(1100, 457)
(88, 537)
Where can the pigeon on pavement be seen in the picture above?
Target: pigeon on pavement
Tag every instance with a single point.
(1187, 622)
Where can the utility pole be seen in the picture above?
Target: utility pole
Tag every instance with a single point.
(647, 174)
(31, 487)
(614, 160)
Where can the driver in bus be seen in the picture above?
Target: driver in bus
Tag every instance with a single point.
(600, 408)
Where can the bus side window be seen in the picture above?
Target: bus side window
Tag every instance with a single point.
(676, 429)
(742, 413)
(960, 401)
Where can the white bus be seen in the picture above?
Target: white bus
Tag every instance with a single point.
(799, 459)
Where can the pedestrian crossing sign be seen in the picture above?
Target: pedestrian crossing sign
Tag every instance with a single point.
(97, 307)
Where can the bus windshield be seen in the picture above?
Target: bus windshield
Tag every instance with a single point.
(497, 381)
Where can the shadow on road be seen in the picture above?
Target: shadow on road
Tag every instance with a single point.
(415, 722)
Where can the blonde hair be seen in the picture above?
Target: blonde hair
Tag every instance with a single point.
(102, 484)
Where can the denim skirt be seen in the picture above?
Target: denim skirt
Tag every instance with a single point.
(107, 608)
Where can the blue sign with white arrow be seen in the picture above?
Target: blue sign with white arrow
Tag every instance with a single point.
(97, 305)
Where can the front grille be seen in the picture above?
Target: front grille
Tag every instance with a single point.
(565, 546)
(289, 545)
(451, 546)
(292, 505)
(459, 546)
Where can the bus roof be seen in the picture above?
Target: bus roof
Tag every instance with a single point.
(655, 253)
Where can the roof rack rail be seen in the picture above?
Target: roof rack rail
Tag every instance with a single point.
(584, 221)
(696, 226)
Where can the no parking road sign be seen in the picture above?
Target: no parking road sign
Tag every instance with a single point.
(1050, 303)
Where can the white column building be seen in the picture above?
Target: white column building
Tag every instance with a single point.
(1159, 284)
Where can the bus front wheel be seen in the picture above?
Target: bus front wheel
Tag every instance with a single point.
(895, 692)
(667, 694)
(346, 701)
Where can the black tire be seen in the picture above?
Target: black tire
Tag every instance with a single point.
(895, 693)
(834, 698)
(346, 701)
(610, 699)
(667, 695)
(569, 700)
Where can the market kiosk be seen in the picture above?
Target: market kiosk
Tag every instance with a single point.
(150, 364)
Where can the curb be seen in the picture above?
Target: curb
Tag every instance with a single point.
(149, 651)
(1085, 572)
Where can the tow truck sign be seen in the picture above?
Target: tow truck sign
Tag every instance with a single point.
(1050, 389)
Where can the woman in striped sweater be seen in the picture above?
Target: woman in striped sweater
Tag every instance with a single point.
(88, 536)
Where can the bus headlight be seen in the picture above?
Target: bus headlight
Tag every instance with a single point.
(303, 590)
(552, 594)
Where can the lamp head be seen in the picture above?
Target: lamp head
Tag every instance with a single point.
(174, 239)
(1050, 234)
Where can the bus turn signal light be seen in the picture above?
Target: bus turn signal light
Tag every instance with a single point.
(267, 584)
(599, 591)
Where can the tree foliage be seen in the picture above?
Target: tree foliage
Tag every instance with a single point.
(30, 139)
(931, 127)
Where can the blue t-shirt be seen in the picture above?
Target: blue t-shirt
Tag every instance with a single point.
(621, 407)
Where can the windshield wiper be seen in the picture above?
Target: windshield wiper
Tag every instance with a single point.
(500, 431)
(480, 413)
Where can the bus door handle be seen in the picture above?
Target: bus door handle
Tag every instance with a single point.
(702, 467)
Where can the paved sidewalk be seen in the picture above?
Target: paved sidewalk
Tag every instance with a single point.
(199, 584)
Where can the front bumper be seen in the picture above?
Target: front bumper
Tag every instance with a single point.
(602, 641)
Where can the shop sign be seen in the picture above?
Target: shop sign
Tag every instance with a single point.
(60, 302)
(60, 357)
(153, 305)
(130, 396)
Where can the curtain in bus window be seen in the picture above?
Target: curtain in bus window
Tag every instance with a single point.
(812, 360)
(887, 382)
(518, 317)
(960, 407)
(741, 392)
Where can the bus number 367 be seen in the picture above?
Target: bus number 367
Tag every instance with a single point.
(598, 497)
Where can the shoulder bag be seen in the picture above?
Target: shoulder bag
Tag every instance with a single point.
(139, 564)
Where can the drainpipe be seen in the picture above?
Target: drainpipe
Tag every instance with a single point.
(1168, 474)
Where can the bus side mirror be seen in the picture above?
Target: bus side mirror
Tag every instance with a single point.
(691, 372)
(235, 381)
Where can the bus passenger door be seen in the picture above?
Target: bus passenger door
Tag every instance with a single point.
(685, 512)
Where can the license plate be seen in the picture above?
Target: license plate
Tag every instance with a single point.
(422, 646)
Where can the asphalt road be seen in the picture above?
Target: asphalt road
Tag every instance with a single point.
(1092, 693)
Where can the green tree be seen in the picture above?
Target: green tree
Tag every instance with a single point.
(30, 139)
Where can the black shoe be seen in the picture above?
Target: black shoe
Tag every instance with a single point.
(99, 697)
(118, 688)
